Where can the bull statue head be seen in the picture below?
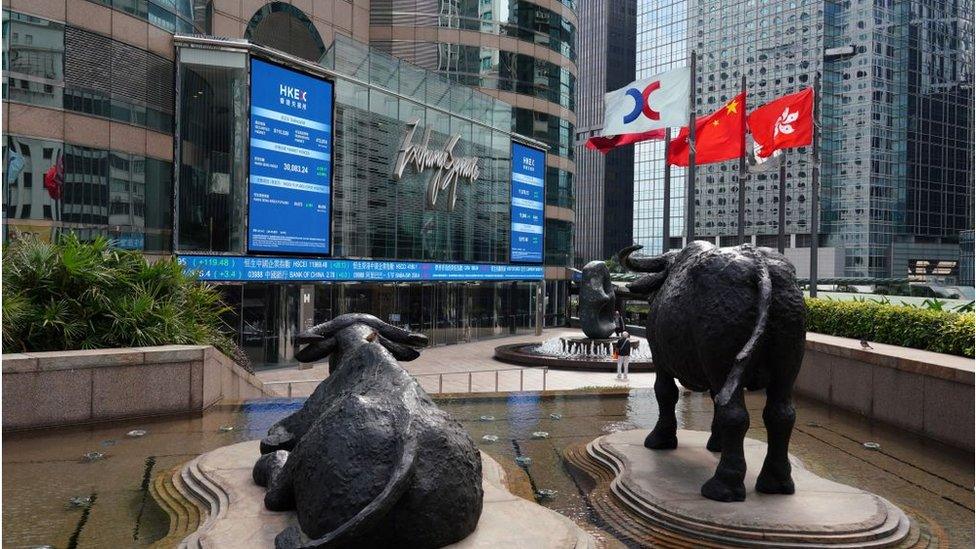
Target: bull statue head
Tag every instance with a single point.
(331, 338)
(658, 266)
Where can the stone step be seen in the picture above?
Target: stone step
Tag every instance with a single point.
(213, 497)
(183, 513)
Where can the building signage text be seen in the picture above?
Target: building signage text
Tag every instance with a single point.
(449, 168)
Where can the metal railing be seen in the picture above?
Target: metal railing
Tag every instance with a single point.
(440, 379)
(470, 374)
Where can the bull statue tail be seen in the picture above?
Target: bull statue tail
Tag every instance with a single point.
(734, 380)
(368, 517)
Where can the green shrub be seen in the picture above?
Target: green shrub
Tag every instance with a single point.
(930, 329)
(70, 294)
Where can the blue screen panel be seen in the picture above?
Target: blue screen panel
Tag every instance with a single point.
(290, 185)
(528, 203)
(278, 269)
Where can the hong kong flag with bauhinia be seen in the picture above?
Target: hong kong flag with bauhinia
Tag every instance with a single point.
(783, 124)
(718, 136)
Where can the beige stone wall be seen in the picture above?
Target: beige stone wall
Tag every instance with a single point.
(73, 387)
(923, 392)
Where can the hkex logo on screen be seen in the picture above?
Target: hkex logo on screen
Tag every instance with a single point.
(292, 92)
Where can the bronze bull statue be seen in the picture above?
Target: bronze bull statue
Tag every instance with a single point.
(723, 320)
(370, 460)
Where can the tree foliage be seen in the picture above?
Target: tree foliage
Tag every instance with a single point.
(70, 294)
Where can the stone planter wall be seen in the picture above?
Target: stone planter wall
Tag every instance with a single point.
(72, 387)
(931, 394)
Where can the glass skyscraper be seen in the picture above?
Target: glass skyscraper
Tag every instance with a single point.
(140, 118)
(604, 181)
(519, 51)
(896, 123)
(662, 44)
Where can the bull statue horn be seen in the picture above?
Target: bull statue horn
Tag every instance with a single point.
(653, 264)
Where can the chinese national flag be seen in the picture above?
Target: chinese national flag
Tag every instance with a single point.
(783, 124)
(718, 136)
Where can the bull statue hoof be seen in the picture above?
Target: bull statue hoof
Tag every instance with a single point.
(725, 320)
(370, 460)
(657, 440)
(596, 301)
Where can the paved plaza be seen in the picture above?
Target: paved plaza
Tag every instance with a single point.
(451, 368)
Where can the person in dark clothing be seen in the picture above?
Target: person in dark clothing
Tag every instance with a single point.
(618, 323)
(623, 356)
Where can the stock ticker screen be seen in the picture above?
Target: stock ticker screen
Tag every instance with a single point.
(528, 204)
(290, 182)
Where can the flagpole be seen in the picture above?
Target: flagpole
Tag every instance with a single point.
(742, 170)
(781, 232)
(690, 208)
(666, 206)
(814, 190)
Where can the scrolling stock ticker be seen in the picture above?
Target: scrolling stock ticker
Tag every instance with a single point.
(528, 203)
(290, 160)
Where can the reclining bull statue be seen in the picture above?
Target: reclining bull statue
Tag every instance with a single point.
(370, 460)
(723, 320)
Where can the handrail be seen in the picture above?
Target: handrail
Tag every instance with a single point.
(469, 372)
(440, 378)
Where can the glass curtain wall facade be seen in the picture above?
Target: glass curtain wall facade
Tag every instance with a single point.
(104, 192)
(941, 138)
(865, 113)
(493, 45)
(374, 216)
(662, 45)
(99, 109)
(776, 46)
(447, 313)
(896, 117)
(605, 181)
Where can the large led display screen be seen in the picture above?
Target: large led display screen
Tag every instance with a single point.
(290, 185)
(528, 203)
(275, 269)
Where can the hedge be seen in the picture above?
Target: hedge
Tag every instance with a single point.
(930, 330)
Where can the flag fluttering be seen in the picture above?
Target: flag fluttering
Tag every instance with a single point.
(641, 110)
(783, 124)
(718, 136)
(606, 144)
(54, 178)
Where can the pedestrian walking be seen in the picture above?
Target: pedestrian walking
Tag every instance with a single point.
(623, 356)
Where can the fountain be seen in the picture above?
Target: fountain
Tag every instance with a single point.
(593, 351)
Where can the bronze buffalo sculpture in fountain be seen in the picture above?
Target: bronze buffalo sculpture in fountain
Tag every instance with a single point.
(723, 320)
(596, 301)
(370, 460)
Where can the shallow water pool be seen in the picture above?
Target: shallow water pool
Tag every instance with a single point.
(44, 470)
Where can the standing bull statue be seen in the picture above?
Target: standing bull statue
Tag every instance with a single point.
(596, 301)
(723, 320)
(370, 460)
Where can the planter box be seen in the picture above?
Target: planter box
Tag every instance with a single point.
(71, 387)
